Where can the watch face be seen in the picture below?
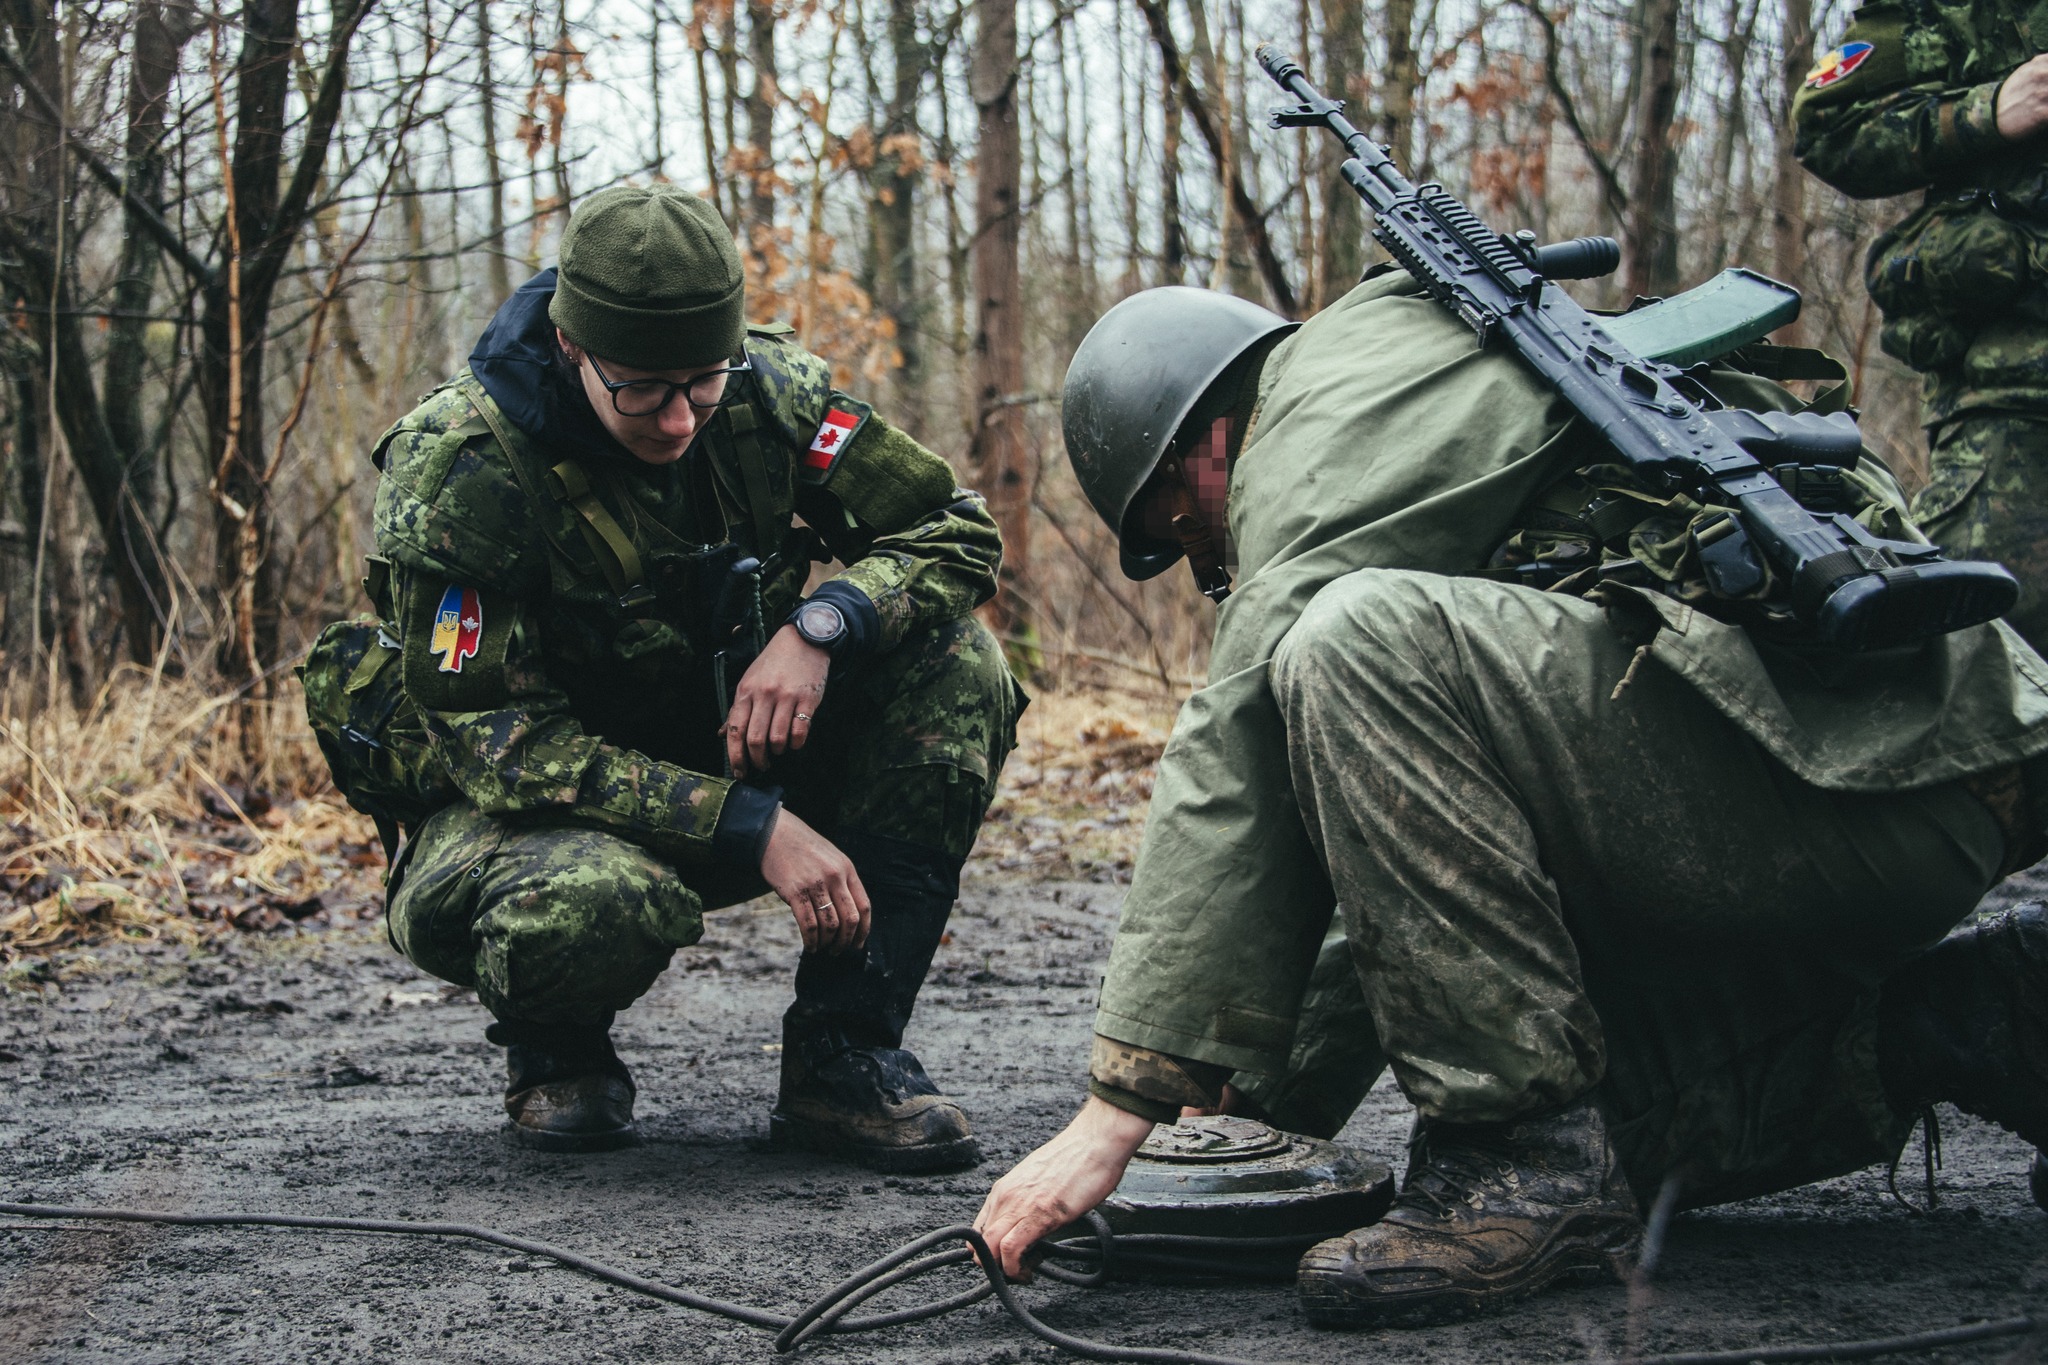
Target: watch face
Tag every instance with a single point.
(820, 623)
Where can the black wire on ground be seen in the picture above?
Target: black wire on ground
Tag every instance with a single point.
(825, 1315)
(828, 1313)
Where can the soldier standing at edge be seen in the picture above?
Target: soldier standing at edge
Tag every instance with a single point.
(591, 569)
(1953, 99)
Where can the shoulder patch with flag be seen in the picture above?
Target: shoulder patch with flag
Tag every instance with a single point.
(458, 627)
(1838, 64)
(833, 436)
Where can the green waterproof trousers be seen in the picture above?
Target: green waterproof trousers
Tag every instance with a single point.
(1988, 499)
(561, 924)
(1558, 872)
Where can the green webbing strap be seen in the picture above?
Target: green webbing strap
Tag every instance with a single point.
(1781, 363)
(614, 549)
(769, 527)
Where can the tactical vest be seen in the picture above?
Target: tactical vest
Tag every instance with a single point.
(1963, 280)
(650, 588)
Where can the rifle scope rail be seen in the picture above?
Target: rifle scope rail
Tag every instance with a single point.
(1854, 590)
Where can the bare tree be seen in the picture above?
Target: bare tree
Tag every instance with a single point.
(1650, 236)
(996, 452)
(1343, 243)
(1788, 182)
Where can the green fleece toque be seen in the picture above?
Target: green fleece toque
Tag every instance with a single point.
(650, 278)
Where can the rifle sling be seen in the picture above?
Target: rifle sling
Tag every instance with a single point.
(614, 550)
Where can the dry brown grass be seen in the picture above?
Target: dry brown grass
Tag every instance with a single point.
(146, 817)
(1074, 796)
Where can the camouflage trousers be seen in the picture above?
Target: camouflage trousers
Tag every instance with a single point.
(1546, 890)
(553, 923)
(1987, 498)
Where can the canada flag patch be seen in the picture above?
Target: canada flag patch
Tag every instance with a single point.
(458, 627)
(833, 434)
(1838, 64)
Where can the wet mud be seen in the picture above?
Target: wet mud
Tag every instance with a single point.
(319, 1073)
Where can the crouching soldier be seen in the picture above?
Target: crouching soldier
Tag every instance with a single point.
(600, 704)
(1634, 898)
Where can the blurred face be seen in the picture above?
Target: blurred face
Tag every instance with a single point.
(658, 438)
(1205, 467)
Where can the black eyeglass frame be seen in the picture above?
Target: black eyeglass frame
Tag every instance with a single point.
(729, 396)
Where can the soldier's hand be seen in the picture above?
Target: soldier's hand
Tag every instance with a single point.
(773, 705)
(2023, 100)
(1059, 1182)
(818, 884)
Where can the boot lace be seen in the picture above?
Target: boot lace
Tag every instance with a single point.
(1444, 1176)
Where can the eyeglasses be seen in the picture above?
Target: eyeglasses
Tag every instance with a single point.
(645, 397)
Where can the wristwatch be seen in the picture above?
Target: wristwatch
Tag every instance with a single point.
(821, 624)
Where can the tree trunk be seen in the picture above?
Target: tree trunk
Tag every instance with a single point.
(104, 430)
(892, 207)
(1788, 189)
(761, 100)
(656, 78)
(498, 269)
(714, 170)
(1343, 245)
(232, 334)
(1173, 244)
(1212, 129)
(997, 450)
(264, 214)
(1077, 270)
(1650, 240)
(1403, 83)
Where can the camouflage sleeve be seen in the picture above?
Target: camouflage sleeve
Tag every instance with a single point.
(1151, 1084)
(1878, 115)
(505, 733)
(915, 545)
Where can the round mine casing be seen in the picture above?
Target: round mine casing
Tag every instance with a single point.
(1234, 1177)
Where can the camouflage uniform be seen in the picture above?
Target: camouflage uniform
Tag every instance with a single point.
(1908, 102)
(558, 615)
(1615, 847)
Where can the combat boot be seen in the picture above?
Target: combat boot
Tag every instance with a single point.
(1967, 1023)
(848, 1086)
(565, 1088)
(1489, 1212)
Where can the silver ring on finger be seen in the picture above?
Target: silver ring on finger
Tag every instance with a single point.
(804, 716)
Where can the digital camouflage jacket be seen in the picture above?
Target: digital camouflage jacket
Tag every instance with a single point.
(1908, 102)
(561, 608)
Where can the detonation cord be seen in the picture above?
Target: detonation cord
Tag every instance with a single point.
(828, 1313)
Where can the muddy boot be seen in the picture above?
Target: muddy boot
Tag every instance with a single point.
(1967, 1023)
(565, 1088)
(1489, 1212)
(849, 1088)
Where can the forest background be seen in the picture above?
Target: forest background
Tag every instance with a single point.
(236, 243)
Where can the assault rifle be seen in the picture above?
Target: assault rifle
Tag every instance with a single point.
(1854, 590)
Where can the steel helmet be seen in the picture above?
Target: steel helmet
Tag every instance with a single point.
(1145, 368)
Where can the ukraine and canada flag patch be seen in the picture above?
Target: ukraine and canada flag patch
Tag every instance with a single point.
(458, 627)
(1838, 64)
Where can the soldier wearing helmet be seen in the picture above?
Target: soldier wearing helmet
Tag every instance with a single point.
(1631, 899)
(601, 702)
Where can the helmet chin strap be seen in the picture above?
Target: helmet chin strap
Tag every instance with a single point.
(1195, 540)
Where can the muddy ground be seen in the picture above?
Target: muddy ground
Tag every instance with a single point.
(317, 1072)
